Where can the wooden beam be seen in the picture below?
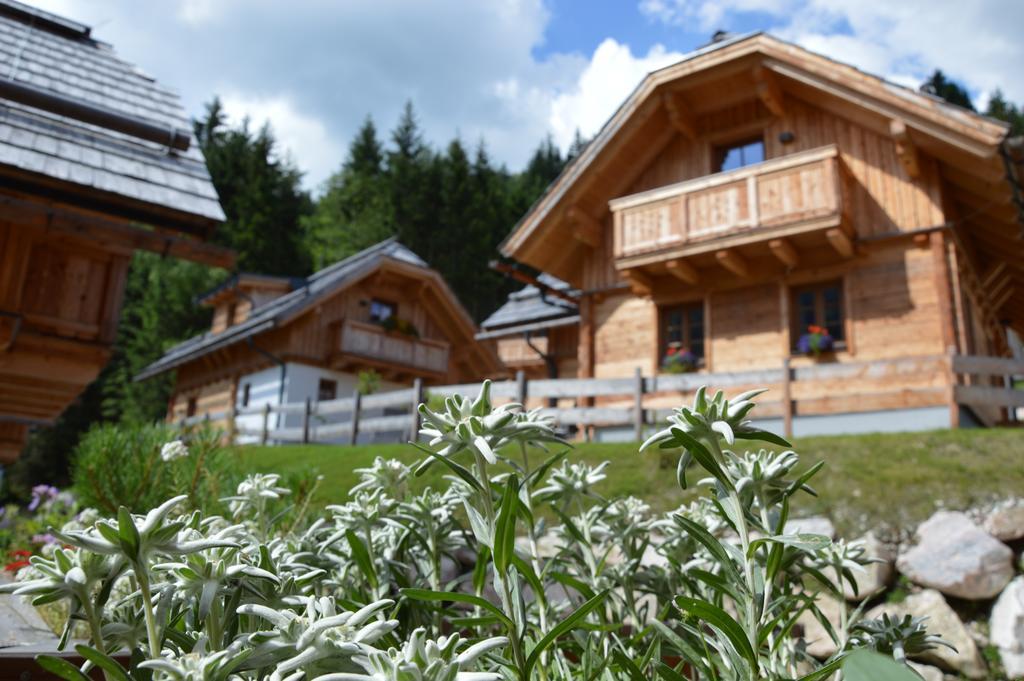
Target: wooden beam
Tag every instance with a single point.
(680, 116)
(905, 148)
(639, 282)
(785, 252)
(840, 241)
(768, 90)
(993, 273)
(682, 270)
(734, 262)
(586, 228)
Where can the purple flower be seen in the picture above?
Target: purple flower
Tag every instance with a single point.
(40, 494)
(44, 539)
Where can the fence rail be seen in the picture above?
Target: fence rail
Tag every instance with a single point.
(629, 401)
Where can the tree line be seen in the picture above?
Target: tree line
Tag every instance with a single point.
(451, 206)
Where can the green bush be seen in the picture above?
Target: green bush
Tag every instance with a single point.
(122, 465)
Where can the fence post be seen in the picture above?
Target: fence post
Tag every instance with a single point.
(787, 399)
(232, 418)
(305, 420)
(521, 387)
(417, 397)
(638, 405)
(265, 432)
(953, 378)
(357, 399)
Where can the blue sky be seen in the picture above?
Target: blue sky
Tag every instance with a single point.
(509, 71)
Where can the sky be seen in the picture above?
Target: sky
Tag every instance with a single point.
(509, 72)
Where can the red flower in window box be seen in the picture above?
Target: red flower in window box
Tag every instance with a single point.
(678, 360)
(816, 341)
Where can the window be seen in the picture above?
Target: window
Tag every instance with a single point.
(733, 156)
(245, 394)
(381, 311)
(818, 305)
(682, 328)
(190, 410)
(327, 390)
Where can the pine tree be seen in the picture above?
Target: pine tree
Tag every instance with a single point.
(1000, 108)
(949, 90)
(354, 211)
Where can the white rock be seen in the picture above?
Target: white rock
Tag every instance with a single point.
(1006, 628)
(942, 622)
(812, 525)
(927, 672)
(958, 558)
(1006, 521)
(819, 643)
(875, 576)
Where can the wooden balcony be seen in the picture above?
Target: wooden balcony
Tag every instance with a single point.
(360, 341)
(778, 198)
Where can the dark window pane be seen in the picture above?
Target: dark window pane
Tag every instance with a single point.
(327, 390)
(739, 155)
(381, 311)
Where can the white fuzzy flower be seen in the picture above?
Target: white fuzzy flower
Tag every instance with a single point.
(175, 449)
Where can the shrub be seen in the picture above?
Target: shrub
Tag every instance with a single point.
(364, 593)
(126, 465)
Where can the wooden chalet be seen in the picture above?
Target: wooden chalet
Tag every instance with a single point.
(96, 161)
(755, 189)
(276, 341)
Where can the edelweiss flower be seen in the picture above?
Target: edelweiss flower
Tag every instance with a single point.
(175, 449)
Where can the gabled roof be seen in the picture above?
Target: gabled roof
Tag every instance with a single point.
(281, 310)
(51, 59)
(531, 308)
(955, 135)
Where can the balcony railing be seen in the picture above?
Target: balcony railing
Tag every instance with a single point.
(372, 342)
(799, 189)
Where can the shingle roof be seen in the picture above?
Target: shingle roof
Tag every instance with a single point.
(274, 312)
(530, 305)
(58, 56)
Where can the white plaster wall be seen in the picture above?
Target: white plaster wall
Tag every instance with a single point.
(264, 388)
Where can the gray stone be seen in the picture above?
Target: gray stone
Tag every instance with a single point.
(812, 525)
(958, 558)
(1006, 521)
(819, 643)
(927, 672)
(942, 622)
(875, 576)
(1006, 628)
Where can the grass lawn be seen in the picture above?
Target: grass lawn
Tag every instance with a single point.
(868, 480)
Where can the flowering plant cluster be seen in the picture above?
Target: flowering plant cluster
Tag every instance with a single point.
(678, 360)
(470, 583)
(816, 341)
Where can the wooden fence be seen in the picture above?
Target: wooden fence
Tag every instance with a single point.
(627, 402)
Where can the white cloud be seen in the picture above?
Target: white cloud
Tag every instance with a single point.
(301, 136)
(611, 75)
(975, 42)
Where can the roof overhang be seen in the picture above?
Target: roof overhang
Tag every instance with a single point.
(642, 126)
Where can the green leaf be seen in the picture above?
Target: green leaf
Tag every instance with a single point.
(684, 463)
(61, 668)
(114, 671)
(526, 570)
(441, 596)
(458, 469)
(807, 543)
(361, 555)
(827, 671)
(628, 666)
(505, 529)
(128, 533)
(578, 585)
(865, 665)
(714, 547)
(720, 620)
(563, 627)
(761, 436)
(534, 478)
(801, 482)
(702, 455)
(669, 674)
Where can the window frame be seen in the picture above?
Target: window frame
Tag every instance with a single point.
(321, 384)
(384, 303)
(246, 393)
(796, 326)
(686, 306)
(720, 150)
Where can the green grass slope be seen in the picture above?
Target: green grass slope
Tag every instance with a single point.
(876, 480)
